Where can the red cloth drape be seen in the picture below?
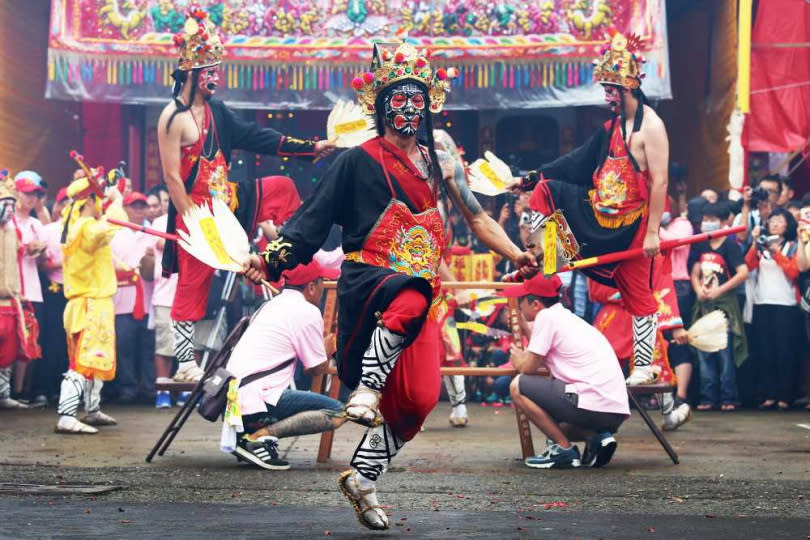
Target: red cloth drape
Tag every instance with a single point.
(780, 77)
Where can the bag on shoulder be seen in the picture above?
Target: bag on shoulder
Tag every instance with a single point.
(215, 390)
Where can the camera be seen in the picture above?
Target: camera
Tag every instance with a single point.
(759, 194)
(764, 240)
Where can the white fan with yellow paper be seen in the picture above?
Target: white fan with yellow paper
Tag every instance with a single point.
(490, 176)
(216, 238)
(208, 230)
(348, 126)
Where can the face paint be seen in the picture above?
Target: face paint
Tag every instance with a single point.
(6, 210)
(405, 109)
(613, 97)
(208, 82)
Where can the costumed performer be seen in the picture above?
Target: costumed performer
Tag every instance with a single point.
(18, 326)
(384, 194)
(608, 195)
(89, 284)
(196, 135)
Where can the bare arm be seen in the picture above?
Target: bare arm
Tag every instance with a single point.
(656, 149)
(526, 361)
(804, 259)
(483, 226)
(169, 143)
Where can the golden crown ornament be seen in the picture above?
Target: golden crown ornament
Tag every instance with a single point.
(199, 43)
(396, 62)
(619, 62)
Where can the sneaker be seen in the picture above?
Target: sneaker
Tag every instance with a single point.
(163, 400)
(678, 417)
(182, 398)
(98, 418)
(555, 457)
(262, 452)
(599, 450)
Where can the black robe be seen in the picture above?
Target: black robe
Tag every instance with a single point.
(353, 194)
(570, 178)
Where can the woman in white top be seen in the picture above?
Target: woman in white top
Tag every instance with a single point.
(777, 319)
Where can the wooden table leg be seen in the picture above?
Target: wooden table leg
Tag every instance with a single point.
(327, 437)
(524, 428)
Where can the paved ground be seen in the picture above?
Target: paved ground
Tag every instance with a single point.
(746, 473)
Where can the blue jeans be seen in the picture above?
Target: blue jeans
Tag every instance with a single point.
(726, 379)
(291, 403)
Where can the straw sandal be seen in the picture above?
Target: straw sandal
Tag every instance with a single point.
(357, 497)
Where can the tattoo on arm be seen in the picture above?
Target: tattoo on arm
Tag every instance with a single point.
(465, 195)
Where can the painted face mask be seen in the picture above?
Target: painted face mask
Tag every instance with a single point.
(6, 210)
(405, 109)
(208, 82)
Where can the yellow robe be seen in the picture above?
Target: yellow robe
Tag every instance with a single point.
(90, 284)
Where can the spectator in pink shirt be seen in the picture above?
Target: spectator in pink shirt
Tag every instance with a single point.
(585, 399)
(29, 231)
(287, 329)
(135, 342)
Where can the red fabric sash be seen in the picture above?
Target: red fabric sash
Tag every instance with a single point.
(397, 164)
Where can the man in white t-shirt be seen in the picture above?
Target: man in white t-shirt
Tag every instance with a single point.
(586, 397)
(286, 329)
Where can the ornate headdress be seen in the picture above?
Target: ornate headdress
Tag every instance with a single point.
(397, 62)
(199, 42)
(619, 62)
(8, 188)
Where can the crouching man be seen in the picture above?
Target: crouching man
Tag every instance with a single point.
(585, 399)
(287, 329)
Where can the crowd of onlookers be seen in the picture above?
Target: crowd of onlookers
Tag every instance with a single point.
(758, 278)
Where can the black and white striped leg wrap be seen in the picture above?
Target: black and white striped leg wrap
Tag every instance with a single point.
(456, 392)
(5, 383)
(70, 394)
(183, 340)
(375, 452)
(92, 396)
(644, 332)
(380, 357)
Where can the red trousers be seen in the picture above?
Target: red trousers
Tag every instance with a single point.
(634, 280)
(412, 389)
(9, 337)
(193, 286)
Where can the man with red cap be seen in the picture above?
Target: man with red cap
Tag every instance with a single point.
(287, 329)
(30, 193)
(585, 399)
